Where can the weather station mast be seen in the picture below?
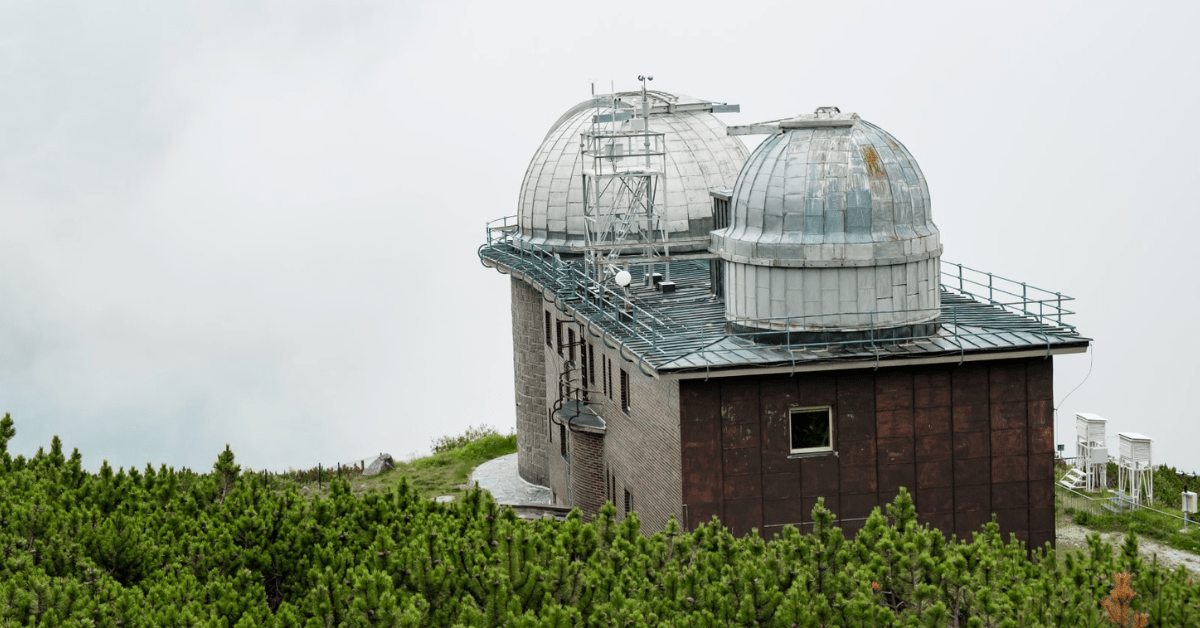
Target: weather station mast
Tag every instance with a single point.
(624, 166)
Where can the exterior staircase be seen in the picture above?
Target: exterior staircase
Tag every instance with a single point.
(1075, 479)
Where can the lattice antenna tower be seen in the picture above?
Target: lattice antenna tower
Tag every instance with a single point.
(624, 176)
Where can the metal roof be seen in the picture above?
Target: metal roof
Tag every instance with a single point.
(700, 156)
(849, 195)
(685, 333)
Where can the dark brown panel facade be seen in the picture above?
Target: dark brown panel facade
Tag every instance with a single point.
(967, 441)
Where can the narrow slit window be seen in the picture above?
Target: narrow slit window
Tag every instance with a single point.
(549, 337)
(604, 374)
(558, 336)
(562, 439)
(591, 363)
(570, 344)
(628, 502)
(625, 401)
(608, 374)
(584, 354)
(812, 429)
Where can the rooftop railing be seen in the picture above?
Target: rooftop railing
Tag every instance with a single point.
(982, 313)
(1017, 297)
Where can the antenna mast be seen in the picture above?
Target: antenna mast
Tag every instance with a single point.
(624, 176)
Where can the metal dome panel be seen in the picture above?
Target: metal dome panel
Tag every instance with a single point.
(700, 157)
(828, 191)
(830, 231)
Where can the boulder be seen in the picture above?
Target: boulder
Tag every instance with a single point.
(380, 464)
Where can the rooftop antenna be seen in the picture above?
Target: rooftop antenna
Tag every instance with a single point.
(646, 116)
(624, 175)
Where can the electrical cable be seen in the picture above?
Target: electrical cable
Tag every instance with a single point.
(1091, 362)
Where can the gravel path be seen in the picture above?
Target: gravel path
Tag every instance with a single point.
(1072, 536)
(499, 477)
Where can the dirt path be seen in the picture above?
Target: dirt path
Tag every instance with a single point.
(1072, 536)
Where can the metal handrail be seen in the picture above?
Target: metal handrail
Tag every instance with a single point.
(1002, 286)
(630, 320)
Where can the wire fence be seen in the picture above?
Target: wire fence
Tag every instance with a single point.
(1110, 505)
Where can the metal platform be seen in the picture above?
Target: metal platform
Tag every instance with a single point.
(685, 333)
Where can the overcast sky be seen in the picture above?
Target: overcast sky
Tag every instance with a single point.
(255, 223)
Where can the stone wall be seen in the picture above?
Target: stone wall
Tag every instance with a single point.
(529, 370)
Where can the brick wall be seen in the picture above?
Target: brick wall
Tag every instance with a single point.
(967, 441)
(587, 472)
(529, 372)
(640, 449)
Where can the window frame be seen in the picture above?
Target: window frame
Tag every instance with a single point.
(591, 364)
(626, 393)
(549, 333)
(792, 412)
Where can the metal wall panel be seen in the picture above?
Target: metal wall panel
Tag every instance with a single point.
(743, 515)
(935, 474)
(1010, 495)
(934, 447)
(1010, 469)
(892, 429)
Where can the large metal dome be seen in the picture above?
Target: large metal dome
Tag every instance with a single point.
(830, 229)
(700, 157)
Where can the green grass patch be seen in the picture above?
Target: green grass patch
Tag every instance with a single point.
(443, 473)
(1144, 523)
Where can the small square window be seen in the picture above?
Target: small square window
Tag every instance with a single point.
(812, 429)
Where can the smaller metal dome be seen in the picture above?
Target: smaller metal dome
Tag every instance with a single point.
(830, 230)
(830, 189)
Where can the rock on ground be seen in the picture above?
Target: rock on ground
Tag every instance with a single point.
(380, 464)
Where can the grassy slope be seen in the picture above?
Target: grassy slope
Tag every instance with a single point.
(443, 473)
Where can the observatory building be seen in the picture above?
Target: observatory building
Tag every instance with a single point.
(700, 331)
